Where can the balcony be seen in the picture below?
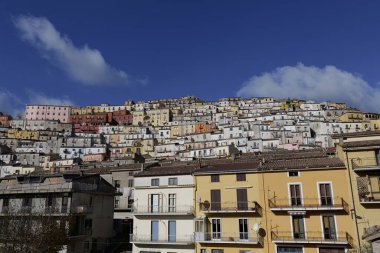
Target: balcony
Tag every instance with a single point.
(366, 164)
(368, 190)
(312, 237)
(163, 210)
(50, 210)
(308, 204)
(173, 240)
(228, 238)
(230, 207)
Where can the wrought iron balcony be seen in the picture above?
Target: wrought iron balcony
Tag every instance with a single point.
(312, 237)
(230, 207)
(149, 239)
(228, 238)
(365, 164)
(163, 210)
(308, 204)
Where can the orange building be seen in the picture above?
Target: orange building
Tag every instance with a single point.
(201, 127)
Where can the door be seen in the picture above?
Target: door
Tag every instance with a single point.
(172, 231)
(200, 230)
(325, 194)
(329, 230)
(243, 229)
(298, 227)
(154, 203)
(295, 195)
(216, 231)
(215, 200)
(154, 231)
(242, 201)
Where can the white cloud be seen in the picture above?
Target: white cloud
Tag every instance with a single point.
(310, 82)
(82, 64)
(41, 99)
(13, 104)
(9, 103)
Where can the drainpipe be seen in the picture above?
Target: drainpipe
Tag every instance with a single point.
(353, 202)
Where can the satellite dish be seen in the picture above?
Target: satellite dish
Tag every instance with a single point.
(255, 227)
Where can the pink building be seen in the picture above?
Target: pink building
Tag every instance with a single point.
(48, 112)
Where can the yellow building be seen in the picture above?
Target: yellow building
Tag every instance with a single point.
(361, 154)
(138, 117)
(158, 117)
(293, 205)
(352, 117)
(22, 134)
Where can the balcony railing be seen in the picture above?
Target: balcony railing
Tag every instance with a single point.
(163, 210)
(312, 237)
(233, 238)
(368, 193)
(308, 204)
(149, 239)
(51, 210)
(365, 164)
(231, 207)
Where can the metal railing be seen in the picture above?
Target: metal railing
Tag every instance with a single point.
(322, 203)
(185, 239)
(230, 206)
(366, 164)
(219, 237)
(50, 210)
(163, 209)
(312, 237)
(366, 190)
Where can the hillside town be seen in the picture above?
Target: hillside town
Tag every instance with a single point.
(186, 175)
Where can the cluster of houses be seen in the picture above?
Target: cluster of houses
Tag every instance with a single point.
(185, 175)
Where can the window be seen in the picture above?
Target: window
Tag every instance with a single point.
(172, 202)
(281, 249)
(65, 201)
(293, 174)
(173, 181)
(295, 194)
(155, 182)
(130, 182)
(242, 199)
(325, 194)
(216, 231)
(203, 250)
(329, 231)
(298, 227)
(117, 183)
(5, 207)
(243, 229)
(86, 246)
(240, 177)
(217, 251)
(172, 231)
(214, 178)
(117, 202)
(215, 200)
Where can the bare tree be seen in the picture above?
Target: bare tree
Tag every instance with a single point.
(32, 232)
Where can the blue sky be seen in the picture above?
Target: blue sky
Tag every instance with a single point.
(92, 52)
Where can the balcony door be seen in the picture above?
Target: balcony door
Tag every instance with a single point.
(154, 203)
(295, 195)
(243, 229)
(216, 229)
(172, 231)
(154, 231)
(377, 155)
(242, 199)
(298, 227)
(329, 230)
(325, 194)
(215, 200)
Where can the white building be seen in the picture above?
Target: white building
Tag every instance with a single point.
(163, 210)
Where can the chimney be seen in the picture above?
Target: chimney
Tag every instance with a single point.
(142, 166)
